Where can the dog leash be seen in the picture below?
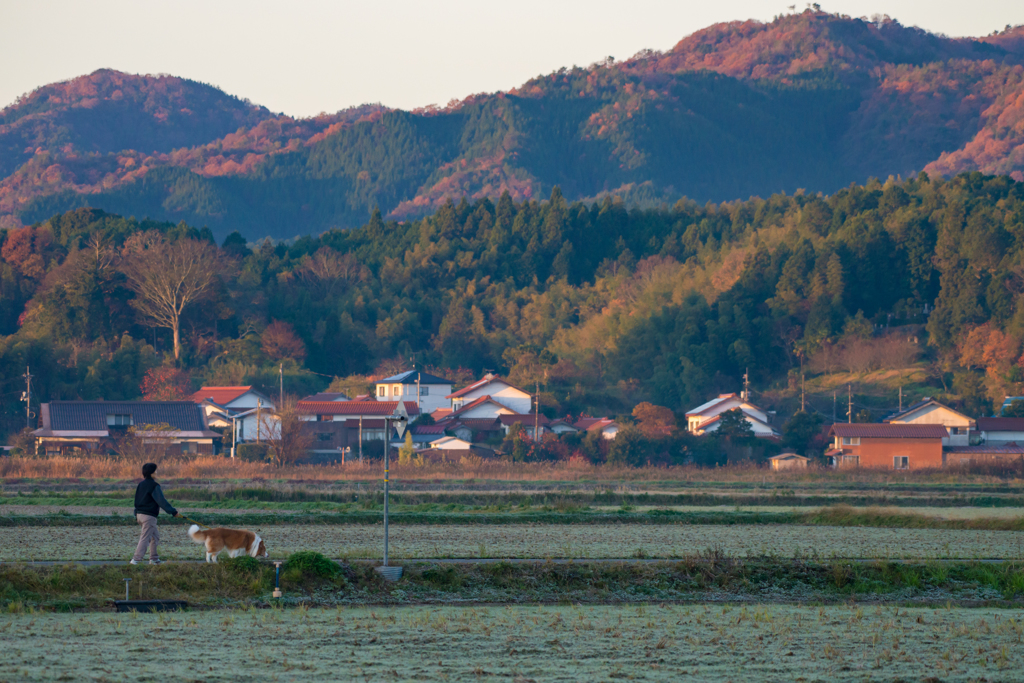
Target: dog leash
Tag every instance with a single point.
(192, 520)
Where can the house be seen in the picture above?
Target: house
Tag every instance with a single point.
(1001, 430)
(930, 411)
(788, 461)
(513, 398)
(76, 427)
(1007, 402)
(961, 456)
(891, 446)
(605, 426)
(450, 443)
(427, 391)
(697, 418)
(328, 411)
(482, 407)
(327, 396)
(242, 405)
(528, 423)
(562, 426)
(758, 427)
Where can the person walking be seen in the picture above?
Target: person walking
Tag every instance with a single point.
(148, 501)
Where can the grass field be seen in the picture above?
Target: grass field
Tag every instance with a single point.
(535, 541)
(654, 643)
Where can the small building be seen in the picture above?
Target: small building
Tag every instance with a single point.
(484, 407)
(698, 418)
(758, 427)
(327, 396)
(788, 461)
(1001, 430)
(82, 427)
(450, 443)
(499, 390)
(986, 453)
(242, 406)
(428, 392)
(528, 423)
(562, 426)
(929, 411)
(887, 446)
(603, 425)
(340, 411)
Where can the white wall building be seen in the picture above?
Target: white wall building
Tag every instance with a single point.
(222, 403)
(428, 392)
(930, 412)
(513, 398)
(703, 414)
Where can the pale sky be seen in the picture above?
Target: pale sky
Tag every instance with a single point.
(306, 56)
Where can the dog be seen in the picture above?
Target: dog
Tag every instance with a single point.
(236, 541)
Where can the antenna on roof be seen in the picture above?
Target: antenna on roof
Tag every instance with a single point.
(746, 385)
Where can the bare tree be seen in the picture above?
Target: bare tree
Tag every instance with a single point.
(287, 436)
(168, 276)
(328, 271)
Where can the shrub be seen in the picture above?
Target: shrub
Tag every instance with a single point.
(252, 452)
(312, 563)
(243, 564)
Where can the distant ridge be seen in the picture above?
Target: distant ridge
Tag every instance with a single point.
(810, 100)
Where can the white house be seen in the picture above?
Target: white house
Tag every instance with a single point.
(606, 426)
(929, 411)
(243, 403)
(451, 443)
(562, 426)
(513, 398)
(428, 392)
(758, 427)
(1002, 430)
(704, 413)
(483, 407)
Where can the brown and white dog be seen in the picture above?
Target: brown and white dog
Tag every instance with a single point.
(236, 541)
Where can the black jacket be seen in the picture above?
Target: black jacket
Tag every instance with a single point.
(149, 499)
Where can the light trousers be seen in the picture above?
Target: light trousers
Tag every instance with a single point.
(149, 537)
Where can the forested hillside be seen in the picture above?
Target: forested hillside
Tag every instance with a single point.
(600, 305)
(810, 100)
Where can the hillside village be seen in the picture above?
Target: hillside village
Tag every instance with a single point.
(425, 416)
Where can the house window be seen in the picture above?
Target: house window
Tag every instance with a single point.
(188, 447)
(851, 461)
(955, 431)
(424, 391)
(396, 390)
(119, 420)
(324, 436)
(901, 462)
(851, 440)
(382, 391)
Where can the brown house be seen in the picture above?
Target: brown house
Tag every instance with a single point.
(887, 446)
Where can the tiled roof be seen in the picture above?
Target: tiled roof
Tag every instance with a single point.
(926, 401)
(409, 377)
(220, 395)
(1002, 449)
(527, 419)
(434, 428)
(1001, 424)
(327, 396)
(354, 407)
(886, 430)
(710, 404)
(478, 424)
(787, 456)
(91, 416)
(477, 402)
(480, 383)
(589, 423)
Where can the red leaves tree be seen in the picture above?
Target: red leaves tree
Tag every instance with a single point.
(165, 384)
(279, 341)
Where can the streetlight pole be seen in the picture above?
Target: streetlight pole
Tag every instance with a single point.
(387, 468)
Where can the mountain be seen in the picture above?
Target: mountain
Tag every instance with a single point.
(811, 100)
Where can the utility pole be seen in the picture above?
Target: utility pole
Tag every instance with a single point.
(360, 439)
(746, 384)
(281, 370)
(833, 406)
(803, 408)
(536, 412)
(901, 398)
(259, 418)
(418, 374)
(28, 398)
(849, 404)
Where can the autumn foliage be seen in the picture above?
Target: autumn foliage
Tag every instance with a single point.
(165, 383)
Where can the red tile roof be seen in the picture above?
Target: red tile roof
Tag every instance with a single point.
(589, 423)
(220, 395)
(525, 419)
(1001, 424)
(889, 430)
(478, 424)
(354, 407)
(474, 403)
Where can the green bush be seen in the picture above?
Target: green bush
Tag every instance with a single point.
(312, 563)
(243, 564)
(253, 452)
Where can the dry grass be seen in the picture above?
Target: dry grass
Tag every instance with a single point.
(470, 468)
